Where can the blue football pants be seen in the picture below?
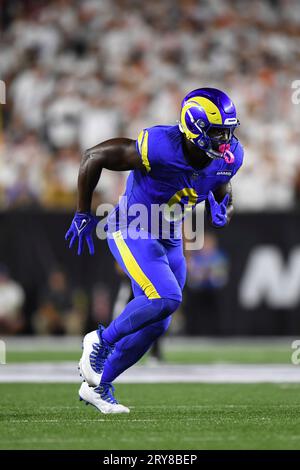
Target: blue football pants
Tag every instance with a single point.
(157, 270)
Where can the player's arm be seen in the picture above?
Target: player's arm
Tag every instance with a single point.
(219, 206)
(115, 154)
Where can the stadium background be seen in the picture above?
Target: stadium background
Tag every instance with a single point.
(78, 73)
(78, 76)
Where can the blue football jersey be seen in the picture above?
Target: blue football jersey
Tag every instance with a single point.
(169, 179)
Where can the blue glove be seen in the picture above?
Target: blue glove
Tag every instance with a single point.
(218, 211)
(82, 227)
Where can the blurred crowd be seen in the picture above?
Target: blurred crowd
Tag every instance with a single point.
(78, 72)
(61, 308)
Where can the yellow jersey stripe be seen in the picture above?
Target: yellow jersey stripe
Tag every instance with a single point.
(145, 152)
(133, 267)
(143, 149)
(140, 140)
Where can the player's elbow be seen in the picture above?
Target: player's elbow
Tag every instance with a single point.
(93, 159)
(89, 154)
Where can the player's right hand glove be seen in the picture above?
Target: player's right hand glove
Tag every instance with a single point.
(81, 228)
(218, 211)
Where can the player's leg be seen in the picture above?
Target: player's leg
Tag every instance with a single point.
(132, 347)
(146, 263)
(127, 352)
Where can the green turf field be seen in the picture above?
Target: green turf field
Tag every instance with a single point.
(207, 354)
(163, 416)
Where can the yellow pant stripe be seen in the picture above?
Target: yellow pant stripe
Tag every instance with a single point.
(133, 268)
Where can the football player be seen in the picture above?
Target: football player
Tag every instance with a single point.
(187, 163)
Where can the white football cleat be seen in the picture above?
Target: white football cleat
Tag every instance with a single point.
(93, 357)
(102, 398)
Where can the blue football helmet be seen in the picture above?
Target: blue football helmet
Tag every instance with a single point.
(208, 119)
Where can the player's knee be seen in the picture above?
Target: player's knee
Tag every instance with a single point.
(163, 307)
(171, 298)
(171, 306)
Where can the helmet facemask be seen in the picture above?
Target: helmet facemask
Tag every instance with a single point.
(214, 140)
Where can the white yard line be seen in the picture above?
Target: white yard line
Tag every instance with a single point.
(215, 373)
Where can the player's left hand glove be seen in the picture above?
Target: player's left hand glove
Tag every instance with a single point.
(218, 210)
(81, 228)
